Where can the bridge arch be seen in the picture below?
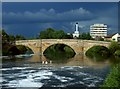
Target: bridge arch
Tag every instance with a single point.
(73, 47)
(31, 45)
(45, 48)
(18, 49)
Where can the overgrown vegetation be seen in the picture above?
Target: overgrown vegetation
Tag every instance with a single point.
(8, 47)
(8, 38)
(113, 78)
(59, 52)
(10, 50)
(117, 53)
(113, 51)
(113, 47)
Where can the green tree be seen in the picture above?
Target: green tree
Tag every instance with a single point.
(68, 36)
(11, 38)
(5, 37)
(52, 34)
(59, 34)
(85, 36)
(47, 34)
(19, 37)
(88, 37)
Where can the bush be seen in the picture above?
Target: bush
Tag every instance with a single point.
(117, 53)
(113, 47)
(98, 52)
(113, 79)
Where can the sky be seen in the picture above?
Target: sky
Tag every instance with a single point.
(29, 18)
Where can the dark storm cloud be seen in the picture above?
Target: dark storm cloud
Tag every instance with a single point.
(29, 19)
(47, 16)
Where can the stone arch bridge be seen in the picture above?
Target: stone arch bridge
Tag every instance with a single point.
(38, 46)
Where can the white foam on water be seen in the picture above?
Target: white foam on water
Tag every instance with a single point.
(91, 85)
(12, 83)
(13, 68)
(20, 68)
(43, 73)
(81, 82)
(2, 79)
(28, 71)
(68, 68)
(4, 56)
(87, 78)
(30, 79)
(41, 78)
(11, 76)
(29, 82)
(81, 73)
(95, 81)
(72, 67)
(63, 79)
(22, 75)
(78, 67)
(5, 69)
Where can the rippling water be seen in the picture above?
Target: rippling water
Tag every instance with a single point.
(74, 73)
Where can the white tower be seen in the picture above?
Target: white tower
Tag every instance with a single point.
(76, 33)
(76, 27)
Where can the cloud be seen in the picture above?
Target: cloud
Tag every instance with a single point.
(31, 23)
(47, 16)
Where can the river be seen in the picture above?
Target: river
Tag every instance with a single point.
(34, 71)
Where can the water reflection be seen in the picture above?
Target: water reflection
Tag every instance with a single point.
(77, 60)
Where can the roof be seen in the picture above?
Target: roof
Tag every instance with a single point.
(110, 36)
